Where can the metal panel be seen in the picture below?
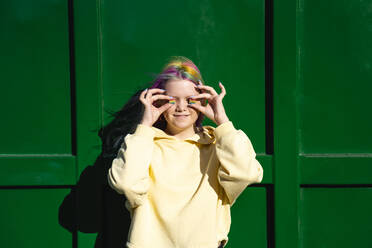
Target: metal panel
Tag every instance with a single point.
(344, 169)
(248, 225)
(36, 170)
(30, 218)
(336, 217)
(334, 127)
(335, 57)
(35, 89)
(36, 142)
(285, 171)
(36, 146)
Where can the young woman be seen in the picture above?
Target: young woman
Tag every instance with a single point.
(181, 178)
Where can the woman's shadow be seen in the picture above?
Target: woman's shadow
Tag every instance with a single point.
(93, 206)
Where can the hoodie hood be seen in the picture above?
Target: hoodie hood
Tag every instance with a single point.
(206, 136)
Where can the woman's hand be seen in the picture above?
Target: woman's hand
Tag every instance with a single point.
(214, 110)
(152, 112)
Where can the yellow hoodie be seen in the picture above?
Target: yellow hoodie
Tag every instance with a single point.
(179, 192)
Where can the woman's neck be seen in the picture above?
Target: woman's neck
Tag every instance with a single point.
(180, 133)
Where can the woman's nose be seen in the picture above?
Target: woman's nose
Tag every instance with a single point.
(181, 105)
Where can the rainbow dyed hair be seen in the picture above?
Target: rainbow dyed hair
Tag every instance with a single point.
(178, 68)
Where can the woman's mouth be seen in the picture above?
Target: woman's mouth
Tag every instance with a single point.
(181, 116)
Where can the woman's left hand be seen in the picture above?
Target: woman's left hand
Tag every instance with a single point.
(214, 110)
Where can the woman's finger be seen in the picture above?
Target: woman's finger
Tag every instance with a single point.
(157, 97)
(208, 88)
(148, 95)
(156, 90)
(142, 96)
(223, 90)
(205, 110)
(200, 108)
(202, 95)
(153, 92)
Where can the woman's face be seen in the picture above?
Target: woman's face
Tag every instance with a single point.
(180, 116)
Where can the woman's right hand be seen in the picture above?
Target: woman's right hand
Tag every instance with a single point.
(152, 112)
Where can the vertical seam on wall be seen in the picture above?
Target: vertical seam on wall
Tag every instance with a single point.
(71, 40)
(73, 99)
(270, 216)
(99, 4)
(269, 127)
(298, 99)
(299, 71)
(269, 115)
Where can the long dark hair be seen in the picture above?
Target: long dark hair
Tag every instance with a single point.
(124, 122)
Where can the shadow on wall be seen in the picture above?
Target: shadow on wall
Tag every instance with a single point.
(99, 210)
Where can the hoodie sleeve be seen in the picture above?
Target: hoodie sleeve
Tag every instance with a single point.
(129, 172)
(238, 164)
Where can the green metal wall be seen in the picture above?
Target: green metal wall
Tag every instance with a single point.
(298, 76)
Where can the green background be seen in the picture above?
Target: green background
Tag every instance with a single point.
(67, 63)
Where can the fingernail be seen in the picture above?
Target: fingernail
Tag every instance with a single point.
(146, 89)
